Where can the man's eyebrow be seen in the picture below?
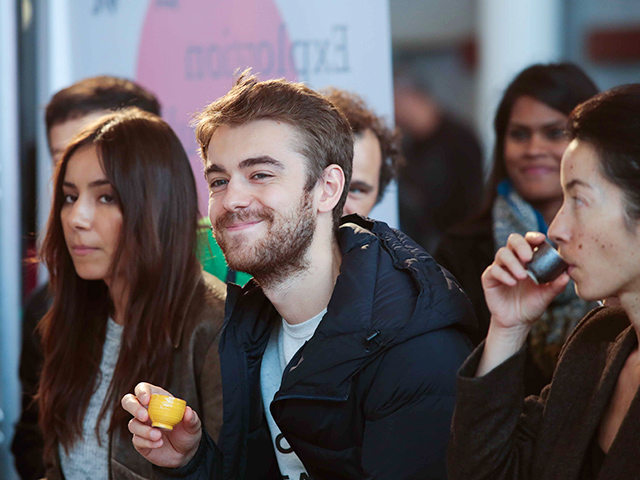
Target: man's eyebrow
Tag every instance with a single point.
(262, 159)
(575, 183)
(214, 168)
(95, 183)
(249, 162)
(360, 185)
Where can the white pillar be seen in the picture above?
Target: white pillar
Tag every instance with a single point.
(10, 254)
(55, 72)
(512, 34)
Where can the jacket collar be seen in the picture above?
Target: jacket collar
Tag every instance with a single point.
(388, 291)
(582, 397)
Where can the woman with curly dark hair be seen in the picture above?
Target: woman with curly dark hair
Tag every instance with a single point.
(585, 423)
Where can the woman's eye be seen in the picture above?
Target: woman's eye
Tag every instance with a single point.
(518, 134)
(556, 134)
(107, 199)
(69, 198)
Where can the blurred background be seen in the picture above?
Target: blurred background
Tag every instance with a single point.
(458, 54)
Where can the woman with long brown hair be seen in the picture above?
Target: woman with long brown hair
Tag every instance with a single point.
(131, 302)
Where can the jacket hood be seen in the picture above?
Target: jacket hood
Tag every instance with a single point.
(389, 290)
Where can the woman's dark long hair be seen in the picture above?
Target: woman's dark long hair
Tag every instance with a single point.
(561, 86)
(153, 182)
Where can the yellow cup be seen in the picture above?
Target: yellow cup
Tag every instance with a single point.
(165, 411)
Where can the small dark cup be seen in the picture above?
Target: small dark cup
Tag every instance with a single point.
(546, 264)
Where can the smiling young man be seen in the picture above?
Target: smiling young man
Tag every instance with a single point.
(339, 359)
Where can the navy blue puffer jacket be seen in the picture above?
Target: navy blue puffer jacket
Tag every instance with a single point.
(372, 393)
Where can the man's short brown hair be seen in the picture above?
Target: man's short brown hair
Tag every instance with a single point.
(325, 133)
(95, 94)
(362, 118)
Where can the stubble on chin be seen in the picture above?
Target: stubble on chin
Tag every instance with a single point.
(280, 253)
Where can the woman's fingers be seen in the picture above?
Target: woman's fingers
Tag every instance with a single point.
(495, 273)
(521, 248)
(141, 443)
(534, 238)
(143, 430)
(559, 284)
(131, 404)
(507, 259)
(191, 421)
(144, 390)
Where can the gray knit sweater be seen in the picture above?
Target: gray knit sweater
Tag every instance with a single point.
(88, 458)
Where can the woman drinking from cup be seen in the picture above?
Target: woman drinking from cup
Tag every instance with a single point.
(523, 194)
(585, 424)
(130, 298)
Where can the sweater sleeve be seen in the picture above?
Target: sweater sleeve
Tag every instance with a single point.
(494, 427)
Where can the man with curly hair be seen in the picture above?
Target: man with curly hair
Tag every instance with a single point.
(377, 155)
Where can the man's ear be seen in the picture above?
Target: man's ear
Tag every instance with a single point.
(330, 189)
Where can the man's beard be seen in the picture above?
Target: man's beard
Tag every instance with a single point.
(281, 252)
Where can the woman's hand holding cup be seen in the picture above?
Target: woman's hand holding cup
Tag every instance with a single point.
(163, 448)
(514, 300)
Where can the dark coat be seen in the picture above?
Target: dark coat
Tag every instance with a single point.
(497, 435)
(195, 377)
(371, 394)
(466, 250)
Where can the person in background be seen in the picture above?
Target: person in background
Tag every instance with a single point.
(441, 183)
(68, 111)
(524, 194)
(76, 106)
(129, 297)
(377, 154)
(338, 359)
(585, 424)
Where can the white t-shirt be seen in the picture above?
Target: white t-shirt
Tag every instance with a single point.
(284, 343)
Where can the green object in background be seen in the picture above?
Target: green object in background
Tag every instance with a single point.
(212, 258)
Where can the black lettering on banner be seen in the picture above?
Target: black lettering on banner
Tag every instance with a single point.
(300, 57)
(305, 55)
(193, 62)
(322, 47)
(282, 31)
(100, 5)
(282, 445)
(341, 45)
